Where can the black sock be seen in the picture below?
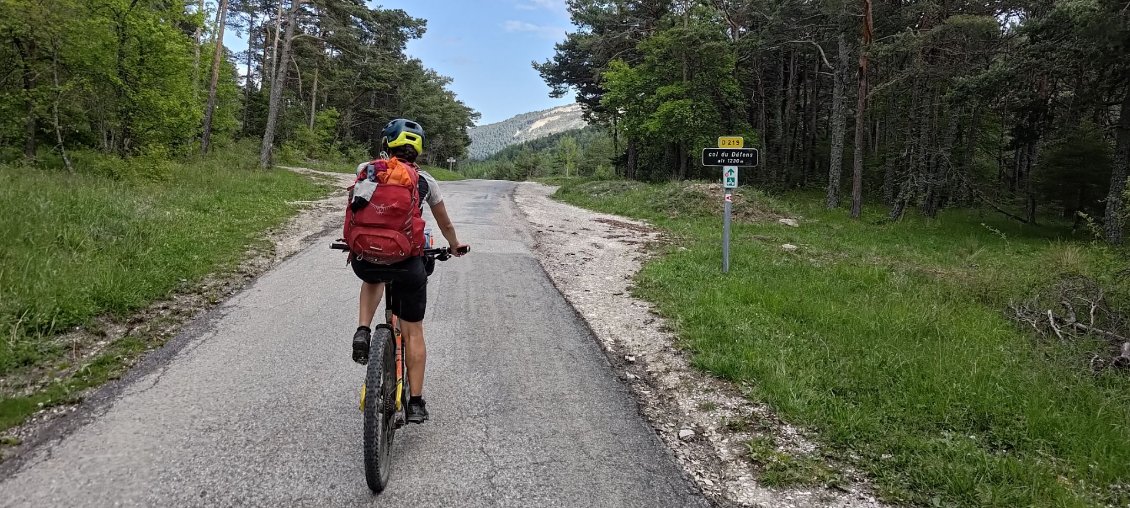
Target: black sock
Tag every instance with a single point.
(366, 328)
(415, 399)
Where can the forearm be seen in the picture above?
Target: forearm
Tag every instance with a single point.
(448, 230)
(439, 211)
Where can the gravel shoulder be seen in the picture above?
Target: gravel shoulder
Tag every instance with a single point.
(592, 258)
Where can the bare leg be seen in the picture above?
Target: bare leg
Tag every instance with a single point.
(370, 300)
(417, 355)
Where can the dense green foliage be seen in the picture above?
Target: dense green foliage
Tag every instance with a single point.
(583, 152)
(132, 77)
(1022, 105)
(888, 339)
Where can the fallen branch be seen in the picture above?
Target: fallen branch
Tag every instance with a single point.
(1051, 321)
(1096, 325)
(1100, 331)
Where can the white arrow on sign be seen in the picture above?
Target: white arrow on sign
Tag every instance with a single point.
(730, 177)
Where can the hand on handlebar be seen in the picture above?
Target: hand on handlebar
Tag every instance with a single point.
(459, 249)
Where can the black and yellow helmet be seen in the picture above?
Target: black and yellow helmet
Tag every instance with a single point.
(401, 132)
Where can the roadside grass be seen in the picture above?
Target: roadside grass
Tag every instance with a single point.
(443, 175)
(112, 238)
(891, 342)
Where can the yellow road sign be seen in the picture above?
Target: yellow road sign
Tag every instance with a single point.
(731, 142)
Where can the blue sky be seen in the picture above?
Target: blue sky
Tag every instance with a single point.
(486, 46)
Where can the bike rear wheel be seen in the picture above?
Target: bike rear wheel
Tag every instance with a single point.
(379, 409)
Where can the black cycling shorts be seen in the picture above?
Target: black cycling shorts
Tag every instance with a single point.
(408, 293)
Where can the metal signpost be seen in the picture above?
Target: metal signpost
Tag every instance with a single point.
(451, 163)
(730, 155)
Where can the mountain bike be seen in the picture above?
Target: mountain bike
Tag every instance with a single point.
(386, 377)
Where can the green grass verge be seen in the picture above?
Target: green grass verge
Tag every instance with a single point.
(110, 364)
(113, 238)
(890, 341)
(443, 175)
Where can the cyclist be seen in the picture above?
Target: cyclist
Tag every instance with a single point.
(404, 140)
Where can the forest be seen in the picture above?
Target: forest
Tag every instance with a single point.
(585, 153)
(1018, 106)
(317, 79)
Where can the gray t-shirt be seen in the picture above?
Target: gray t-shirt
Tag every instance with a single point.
(429, 189)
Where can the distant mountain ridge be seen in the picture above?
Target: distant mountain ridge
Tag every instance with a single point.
(487, 140)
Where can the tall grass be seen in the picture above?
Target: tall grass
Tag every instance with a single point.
(119, 234)
(891, 341)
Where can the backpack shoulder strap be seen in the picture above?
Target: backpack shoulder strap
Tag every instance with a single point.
(414, 172)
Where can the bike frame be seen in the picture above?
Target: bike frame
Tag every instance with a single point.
(401, 358)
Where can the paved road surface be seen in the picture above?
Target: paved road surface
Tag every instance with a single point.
(258, 405)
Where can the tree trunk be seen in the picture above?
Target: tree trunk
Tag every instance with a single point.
(217, 56)
(763, 122)
(297, 74)
(267, 149)
(812, 108)
(921, 170)
(943, 168)
(876, 137)
(275, 45)
(633, 159)
(31, 123)
(789, 116)
(55, 107)
(196, 36)
(681, 150)
(839, 122)
(1030, 190)
(1115, 202)
(860, 115)
(124, 143)
(889, 180)
(314, 96)
(777, 161)
(247, 78)
(969, 155)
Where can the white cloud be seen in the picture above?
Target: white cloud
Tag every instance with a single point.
(547, 31)
(555, 6)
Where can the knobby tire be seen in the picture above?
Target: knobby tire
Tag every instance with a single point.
(380, 387)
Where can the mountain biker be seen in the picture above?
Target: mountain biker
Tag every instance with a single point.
(404, 140)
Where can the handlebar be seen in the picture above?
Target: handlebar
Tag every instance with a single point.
(445, 253)
(441, 253)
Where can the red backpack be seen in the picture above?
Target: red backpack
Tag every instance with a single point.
(389, 227)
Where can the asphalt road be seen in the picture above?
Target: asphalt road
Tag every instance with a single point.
(256, 403)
